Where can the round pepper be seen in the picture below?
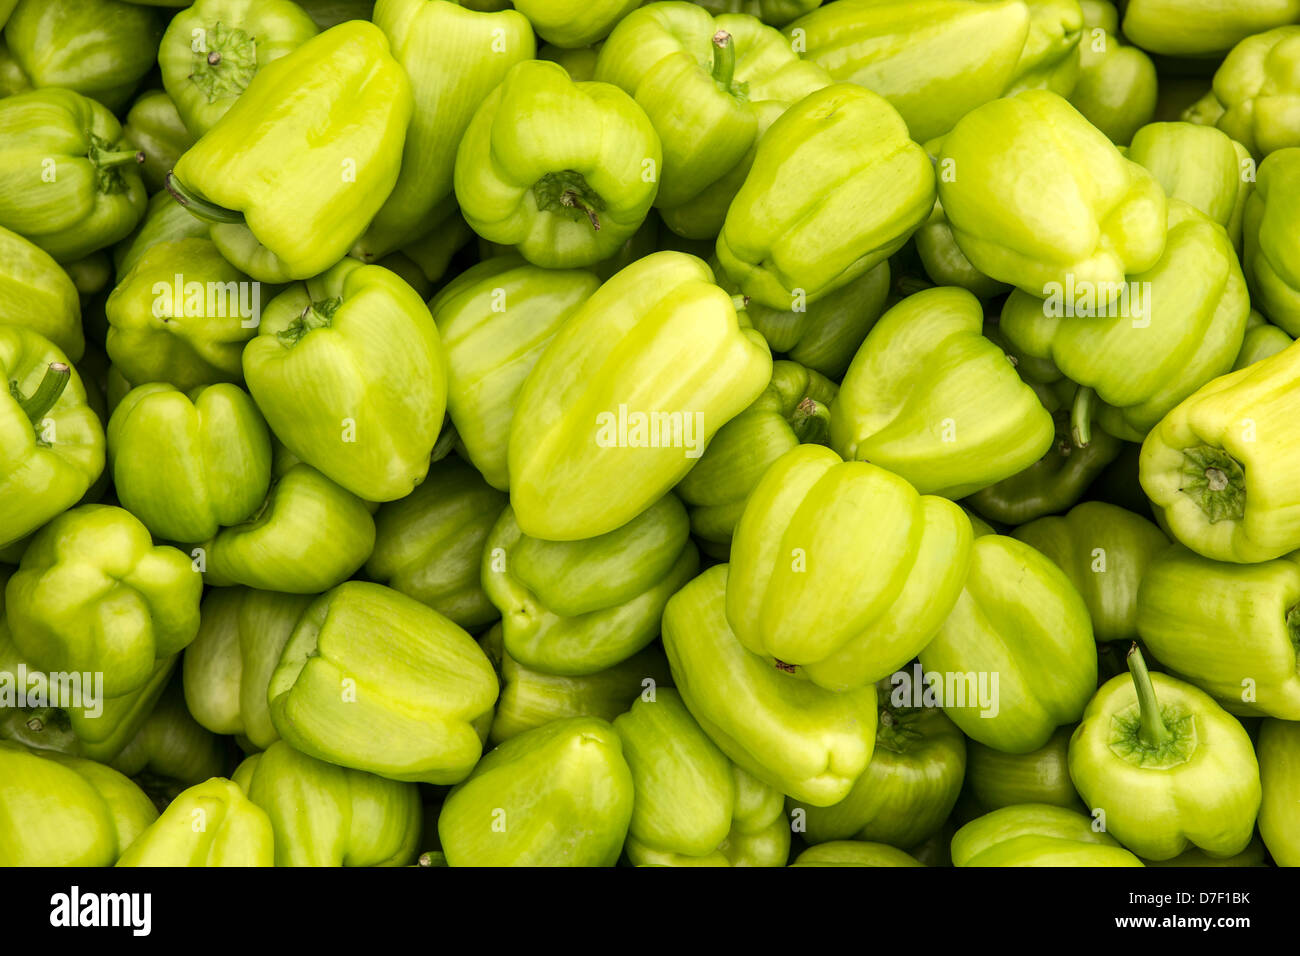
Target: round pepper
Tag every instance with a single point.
(165, 220)
(36, 293)
(1035, 834)
(1262, 340)
(211, 824)
(1271, 240)
(854, 853)
(1256, 92)
(996, 779)
(1116, 90)
(574, 23)
(1203, 29)
(154, 127)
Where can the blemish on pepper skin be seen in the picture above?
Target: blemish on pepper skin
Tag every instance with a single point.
(783, 666)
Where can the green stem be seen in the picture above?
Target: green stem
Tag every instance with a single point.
(197, 206)
(724, 59)
(571, 199)
(122, 157)
(47, 393)
(1081, 416)
(811, 422)
(1154, 733)
(741, 302)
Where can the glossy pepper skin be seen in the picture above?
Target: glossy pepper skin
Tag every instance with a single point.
(564, 171)
(559, 795)
(36, 293)
(945, 263)
(909, 787)
(323, 815)
(97, 196)
(803, 740)
(584, 458)
(99, 48)
(948, 434)
(454, 57)
(93, 594)
(171, 751)
(775, 13)
(854, 853)
(1230, 629)
(794, 409)
(1037, 834)
(350, 373)
(1271, 246)
(66, 811)
(1203, 29)
(1107, 218)
(1021, 619)
(1279, 770)
(338, 106)
(1116, 89)
(494, 321)
(211, 824)
(165, 220)
(788, 238)
(704, 83)
(996, 779)
(1215, 468)
(422, 687)
(227, 669)
(155, 128)
(575, 23)
(1106, 552)
(1255, 92)
(212, 50)
(1262, 341)
(807, 598)
(217, 469)
(578, 607)
(693, 807)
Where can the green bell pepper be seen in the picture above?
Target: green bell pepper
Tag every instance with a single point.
(1216, 468)
(330, 13)
(559, 795)
(996, 779)
(789, 237)
(809, 600)
(1106, 552)
(693, 807)
(154, 127)
(1233, 630)
(213, 49)
(165, 220)
(495, 319)
(775, 13)
(945, 263)
(36, 293)
(578, 62)
(1165, 767)
(91, 275)
(373, 680)
(1116, 90)
(574, 23)
(1020, 626)
(1206, 28)
(564, 171)
(212, 824)
(802, 739)
(94, 594)
(171, 751)
(908, 789)
(1255, 93)
(96, 197)
(227, 669)
(578, 607)
(349, 371)
(217, 469)
(12, 78)
(430, 544)
(1279, 771)
(100, 48)
(1262, 341)
(323, 815)
(455, 57)
(792, 410)
(703, 82)
(1037, 834)
(948, 433)
(1272, 254)
(296, 169)
(657, 360)
(65, 811)
(854, 853)
(1106, 218)
(1254, 855)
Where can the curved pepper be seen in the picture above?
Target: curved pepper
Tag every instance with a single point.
(94, 594)
(1272, 245)
(213, 49)
(12, 78)
(171, 751)
(1215, 467)
(693, 807)
(854, 853)
(788, 237)
(577, 607)
(1203, 29)
(212, 824)
(951, 433)
(217, 469)
(1116, 89)
(574, 23)
(165, 220)
(300, 164)
(945, 263)
(996, 779)
(776, 13)
(323, 815)
(36, 293)
(1166, 766)
(494, 320)
(1106, 552)
(97, 196)
(1036, 834)
(1021, 622)
(1255, 92)
(809, 599)
(155, 128)
(1232, 630)
(373, 680)
(560, 795)
(1262, 341)
(806, 741)
(65, 811)
(1107, 217)
(627, 396)
(1279, 771)
(349, 371)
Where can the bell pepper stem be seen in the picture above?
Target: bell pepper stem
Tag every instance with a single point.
(122, 157)
(1154, 733)
(197, 206)
(1081, 416)
(47, 392)
(574, 201)
(724, 59)
(811, 422)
